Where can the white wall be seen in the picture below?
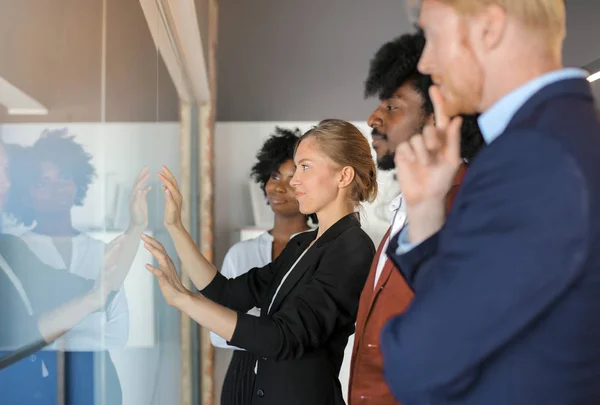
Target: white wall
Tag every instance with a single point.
(236, 144)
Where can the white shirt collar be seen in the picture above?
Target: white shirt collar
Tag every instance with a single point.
(494, 121)
(396, 203)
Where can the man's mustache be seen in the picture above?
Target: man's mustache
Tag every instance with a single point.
(376, 134)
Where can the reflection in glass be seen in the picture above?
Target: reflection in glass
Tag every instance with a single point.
(110, 108)
(46, 181)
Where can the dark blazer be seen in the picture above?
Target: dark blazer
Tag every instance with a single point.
(46, 288)
(507, 294)
(301, 341)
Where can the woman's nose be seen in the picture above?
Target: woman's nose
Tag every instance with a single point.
(294, 180)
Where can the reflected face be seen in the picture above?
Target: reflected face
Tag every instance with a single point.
(449, 57)
(394, 121)
(280, 193)
(316, 178)
(53, 191)
(4, 182)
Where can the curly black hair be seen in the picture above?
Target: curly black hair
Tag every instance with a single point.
(278, 149)
(57, 147)
(394, 64)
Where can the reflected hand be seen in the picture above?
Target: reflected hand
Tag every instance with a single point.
(114, 271)
(138, 205)
(427, 163)
(174, 199)
(168, 280)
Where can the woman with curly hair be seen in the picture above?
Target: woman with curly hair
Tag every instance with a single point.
(273, 172)
(47, 180)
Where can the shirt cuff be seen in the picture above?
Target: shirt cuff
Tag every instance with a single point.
(404, 246)
(218, 341)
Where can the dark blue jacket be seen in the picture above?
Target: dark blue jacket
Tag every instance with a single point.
(507, 294)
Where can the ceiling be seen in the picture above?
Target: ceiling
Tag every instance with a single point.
(52, 50)
(276, 60)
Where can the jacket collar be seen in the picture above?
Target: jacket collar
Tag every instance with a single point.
(344, 223)
(571, 87)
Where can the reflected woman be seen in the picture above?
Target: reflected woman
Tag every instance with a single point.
(50, 179)
(39, 303)
(309, 294)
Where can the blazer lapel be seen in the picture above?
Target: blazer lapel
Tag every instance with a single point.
(383, 278)
(305, 262)
(369, 292)
(292, 279)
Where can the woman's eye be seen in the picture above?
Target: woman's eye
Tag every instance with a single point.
(304, 167)
(391, 108)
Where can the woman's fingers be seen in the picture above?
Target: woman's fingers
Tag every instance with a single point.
(154, 270)
(153, 242)
(164, 180)
(144, 192)
(160, 256)
(169, 197)
(169, 178)
(141, 179)
(173, 189)
(141, 173)
(169, 175)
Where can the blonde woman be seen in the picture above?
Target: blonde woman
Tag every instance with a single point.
(309, 295)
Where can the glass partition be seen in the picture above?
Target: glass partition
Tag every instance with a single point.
(88, 115)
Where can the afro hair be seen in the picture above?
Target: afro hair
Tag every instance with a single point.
(394, 64)
(57, 147)
(278, 149)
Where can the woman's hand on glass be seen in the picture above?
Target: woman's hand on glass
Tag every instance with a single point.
(174, 199)
(168, 280)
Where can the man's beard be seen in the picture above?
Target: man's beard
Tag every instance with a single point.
(386, 162)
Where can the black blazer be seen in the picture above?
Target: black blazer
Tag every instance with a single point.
(47, 289)
(301, 341)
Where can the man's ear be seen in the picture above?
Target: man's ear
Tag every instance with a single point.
(492, 21)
